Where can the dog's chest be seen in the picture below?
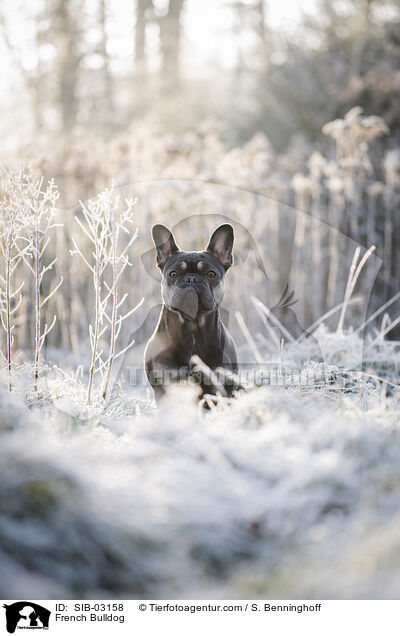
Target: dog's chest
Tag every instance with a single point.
(202, 343)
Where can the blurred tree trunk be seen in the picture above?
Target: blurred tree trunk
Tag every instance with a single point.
(170, 38)
(261, 30)
(253, 43)
(107, 76)
(142, 8)
(66, 37)
(36, 83)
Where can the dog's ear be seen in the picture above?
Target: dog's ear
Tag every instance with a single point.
(221, 244)
(165, 244)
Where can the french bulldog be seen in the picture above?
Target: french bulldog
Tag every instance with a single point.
(190, 327)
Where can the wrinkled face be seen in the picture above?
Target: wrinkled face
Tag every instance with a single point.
(193, 282)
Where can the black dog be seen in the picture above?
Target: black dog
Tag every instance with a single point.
(189, 324)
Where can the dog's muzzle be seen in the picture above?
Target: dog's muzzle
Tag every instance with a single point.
(192, 297)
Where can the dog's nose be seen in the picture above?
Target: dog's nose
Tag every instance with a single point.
(191, 279)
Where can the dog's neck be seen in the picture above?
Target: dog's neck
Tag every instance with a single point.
(176, 323)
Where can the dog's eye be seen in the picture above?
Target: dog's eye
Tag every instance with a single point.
(173, 274)
(211, 274)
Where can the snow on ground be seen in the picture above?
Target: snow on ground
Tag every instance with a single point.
(289, 491)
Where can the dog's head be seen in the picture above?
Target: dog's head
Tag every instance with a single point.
(193, 282)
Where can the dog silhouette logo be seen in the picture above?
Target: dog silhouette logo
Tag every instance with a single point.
(26, 615)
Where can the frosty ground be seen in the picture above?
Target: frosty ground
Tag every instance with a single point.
(286, 491)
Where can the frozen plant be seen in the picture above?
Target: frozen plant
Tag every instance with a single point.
(353, 132)
(355, 271)
(13, 247)
(38, 204)
(104, 224)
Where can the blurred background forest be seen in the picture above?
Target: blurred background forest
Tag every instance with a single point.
(296, 101)
(283, 118)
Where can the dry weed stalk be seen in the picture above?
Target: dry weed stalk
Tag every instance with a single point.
(38, 204)
(103, 225)
(14, 246)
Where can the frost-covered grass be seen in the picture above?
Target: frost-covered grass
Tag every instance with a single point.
(286, 491)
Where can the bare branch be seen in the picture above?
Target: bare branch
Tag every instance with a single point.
(52, 292)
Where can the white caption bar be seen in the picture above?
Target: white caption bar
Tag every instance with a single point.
(198, 617)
